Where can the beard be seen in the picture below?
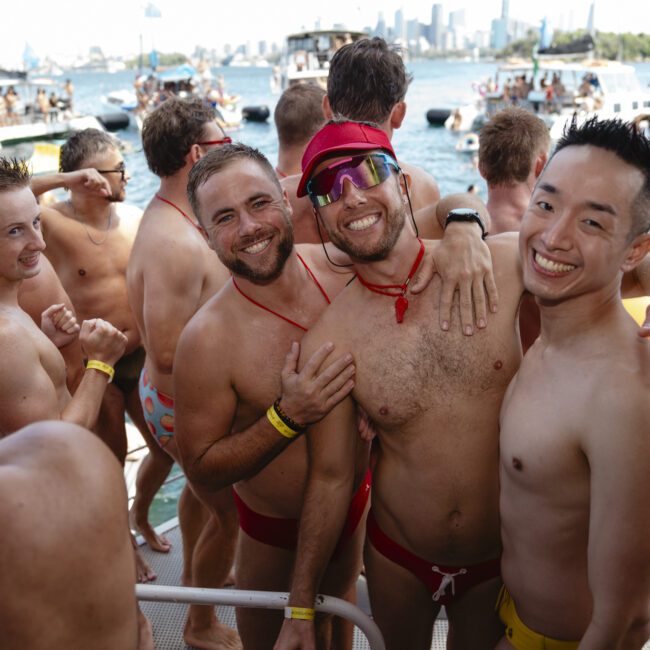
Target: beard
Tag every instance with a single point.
(372, 252)
(269, 271)
(117, 196)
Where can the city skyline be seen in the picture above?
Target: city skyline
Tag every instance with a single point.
(68, 29)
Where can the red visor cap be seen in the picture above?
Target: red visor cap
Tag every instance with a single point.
(341, 136)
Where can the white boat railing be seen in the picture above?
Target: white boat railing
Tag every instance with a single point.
(261, 600)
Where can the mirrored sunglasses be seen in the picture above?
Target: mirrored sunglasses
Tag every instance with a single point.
(364, 171)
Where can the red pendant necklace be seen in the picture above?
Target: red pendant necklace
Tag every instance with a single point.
(275, 313)
(187, 217)
(399, 290)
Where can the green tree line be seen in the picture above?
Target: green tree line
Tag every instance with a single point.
(164, 60)
(608, 45)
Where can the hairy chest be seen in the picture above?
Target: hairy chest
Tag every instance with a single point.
(406, 370)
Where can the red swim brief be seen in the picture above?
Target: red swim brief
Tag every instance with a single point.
(283, 533)
(446, 583)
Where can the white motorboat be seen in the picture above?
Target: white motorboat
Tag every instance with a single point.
(28, 121)
(306, 57)
(556, 90)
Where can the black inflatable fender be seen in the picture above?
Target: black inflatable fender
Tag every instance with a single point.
(256, 113)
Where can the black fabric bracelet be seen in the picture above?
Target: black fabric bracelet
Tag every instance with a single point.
(290, 422)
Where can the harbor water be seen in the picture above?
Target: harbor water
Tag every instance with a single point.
(436, 84)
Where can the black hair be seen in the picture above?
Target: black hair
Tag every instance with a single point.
(631, 146)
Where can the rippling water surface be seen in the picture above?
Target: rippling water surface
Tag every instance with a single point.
(436, 84)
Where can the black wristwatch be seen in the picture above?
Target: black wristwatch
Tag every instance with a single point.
(466, 214)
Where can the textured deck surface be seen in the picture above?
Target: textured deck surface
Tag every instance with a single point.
(168, 619)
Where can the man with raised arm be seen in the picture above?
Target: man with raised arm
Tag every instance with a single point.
(33, 377)
(89, 238)
(248, 431)
(433, 397)
(575, 439)
(171, 273)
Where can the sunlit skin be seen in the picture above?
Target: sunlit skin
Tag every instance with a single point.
(171, 273)
(20, 235)
(247, 219)
(228, 439)
(574, 235)
(110, 161)
(573, 441)
(436, 421)
(367, 223)
(33, 386)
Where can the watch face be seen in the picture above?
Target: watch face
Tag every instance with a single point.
(464, 212)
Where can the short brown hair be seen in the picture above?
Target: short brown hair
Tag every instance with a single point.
(170, 130)
(14, 174)
(217, 160)
(509, 144)
(366, 79)
(299, 114)
(83, 145)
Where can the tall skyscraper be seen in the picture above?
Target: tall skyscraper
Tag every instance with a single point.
(412, 30)
(436, 28)
(400, 26)
(457, 18)
(505, 9)
(380, 29)
(590, 20)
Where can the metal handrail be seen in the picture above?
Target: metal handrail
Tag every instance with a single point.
(263, 600)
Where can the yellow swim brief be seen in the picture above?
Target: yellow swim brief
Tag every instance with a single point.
(522, 637)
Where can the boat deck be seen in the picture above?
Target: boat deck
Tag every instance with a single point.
(168, 619)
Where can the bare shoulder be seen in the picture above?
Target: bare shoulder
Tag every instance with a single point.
(55, 213)
(164, 237)
(424, 188)
(19, 351)
(13, 328)
(334, 323)
(617, 409)
(504, 249)
(129, 212)
(326, 258)
(214, 320)
(290, 185)
(206, 340)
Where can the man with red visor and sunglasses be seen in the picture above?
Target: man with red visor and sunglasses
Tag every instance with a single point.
(171, 273)
(249, 430)
(433, 397)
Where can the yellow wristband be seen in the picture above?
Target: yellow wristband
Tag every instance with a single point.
(93, 364)
(277, 422)
(301, 613)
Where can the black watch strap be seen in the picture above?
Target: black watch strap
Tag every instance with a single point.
(466, 217)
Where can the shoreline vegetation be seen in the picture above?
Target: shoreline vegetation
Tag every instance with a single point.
(633, 48)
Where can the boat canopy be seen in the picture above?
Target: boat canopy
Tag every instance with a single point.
(179, 73)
